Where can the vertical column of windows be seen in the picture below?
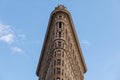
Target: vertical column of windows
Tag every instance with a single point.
(59, 29)
(58, 63)
(58, 54)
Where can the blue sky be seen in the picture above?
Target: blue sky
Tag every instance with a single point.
(23, 25)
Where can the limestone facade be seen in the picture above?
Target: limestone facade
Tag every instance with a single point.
(61, 56)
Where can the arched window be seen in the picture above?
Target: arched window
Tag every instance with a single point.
(59, 53)
(57, 78)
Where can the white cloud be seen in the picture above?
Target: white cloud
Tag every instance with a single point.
(16, 49)
(6, 33)
(7, 38)
(85, 43)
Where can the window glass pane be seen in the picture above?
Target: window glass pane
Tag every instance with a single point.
(54, 62)
(59, 53)
(58, 62)
(55, 54)
(62, 63)
(59, 34)
(58, 70)
(59, 43)
(63, 54)
(60, 24)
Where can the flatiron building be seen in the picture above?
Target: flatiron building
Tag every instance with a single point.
(61, 56)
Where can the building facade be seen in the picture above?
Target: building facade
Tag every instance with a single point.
(61, 56)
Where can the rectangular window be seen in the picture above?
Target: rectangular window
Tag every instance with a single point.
(59, 34)
(62, 72)
(60, 24)
(63, 54)
(59, 43)
(54, 62)
(58, 70)
(55, 54)
(62, 63)
(58, 62)
(54, 71)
